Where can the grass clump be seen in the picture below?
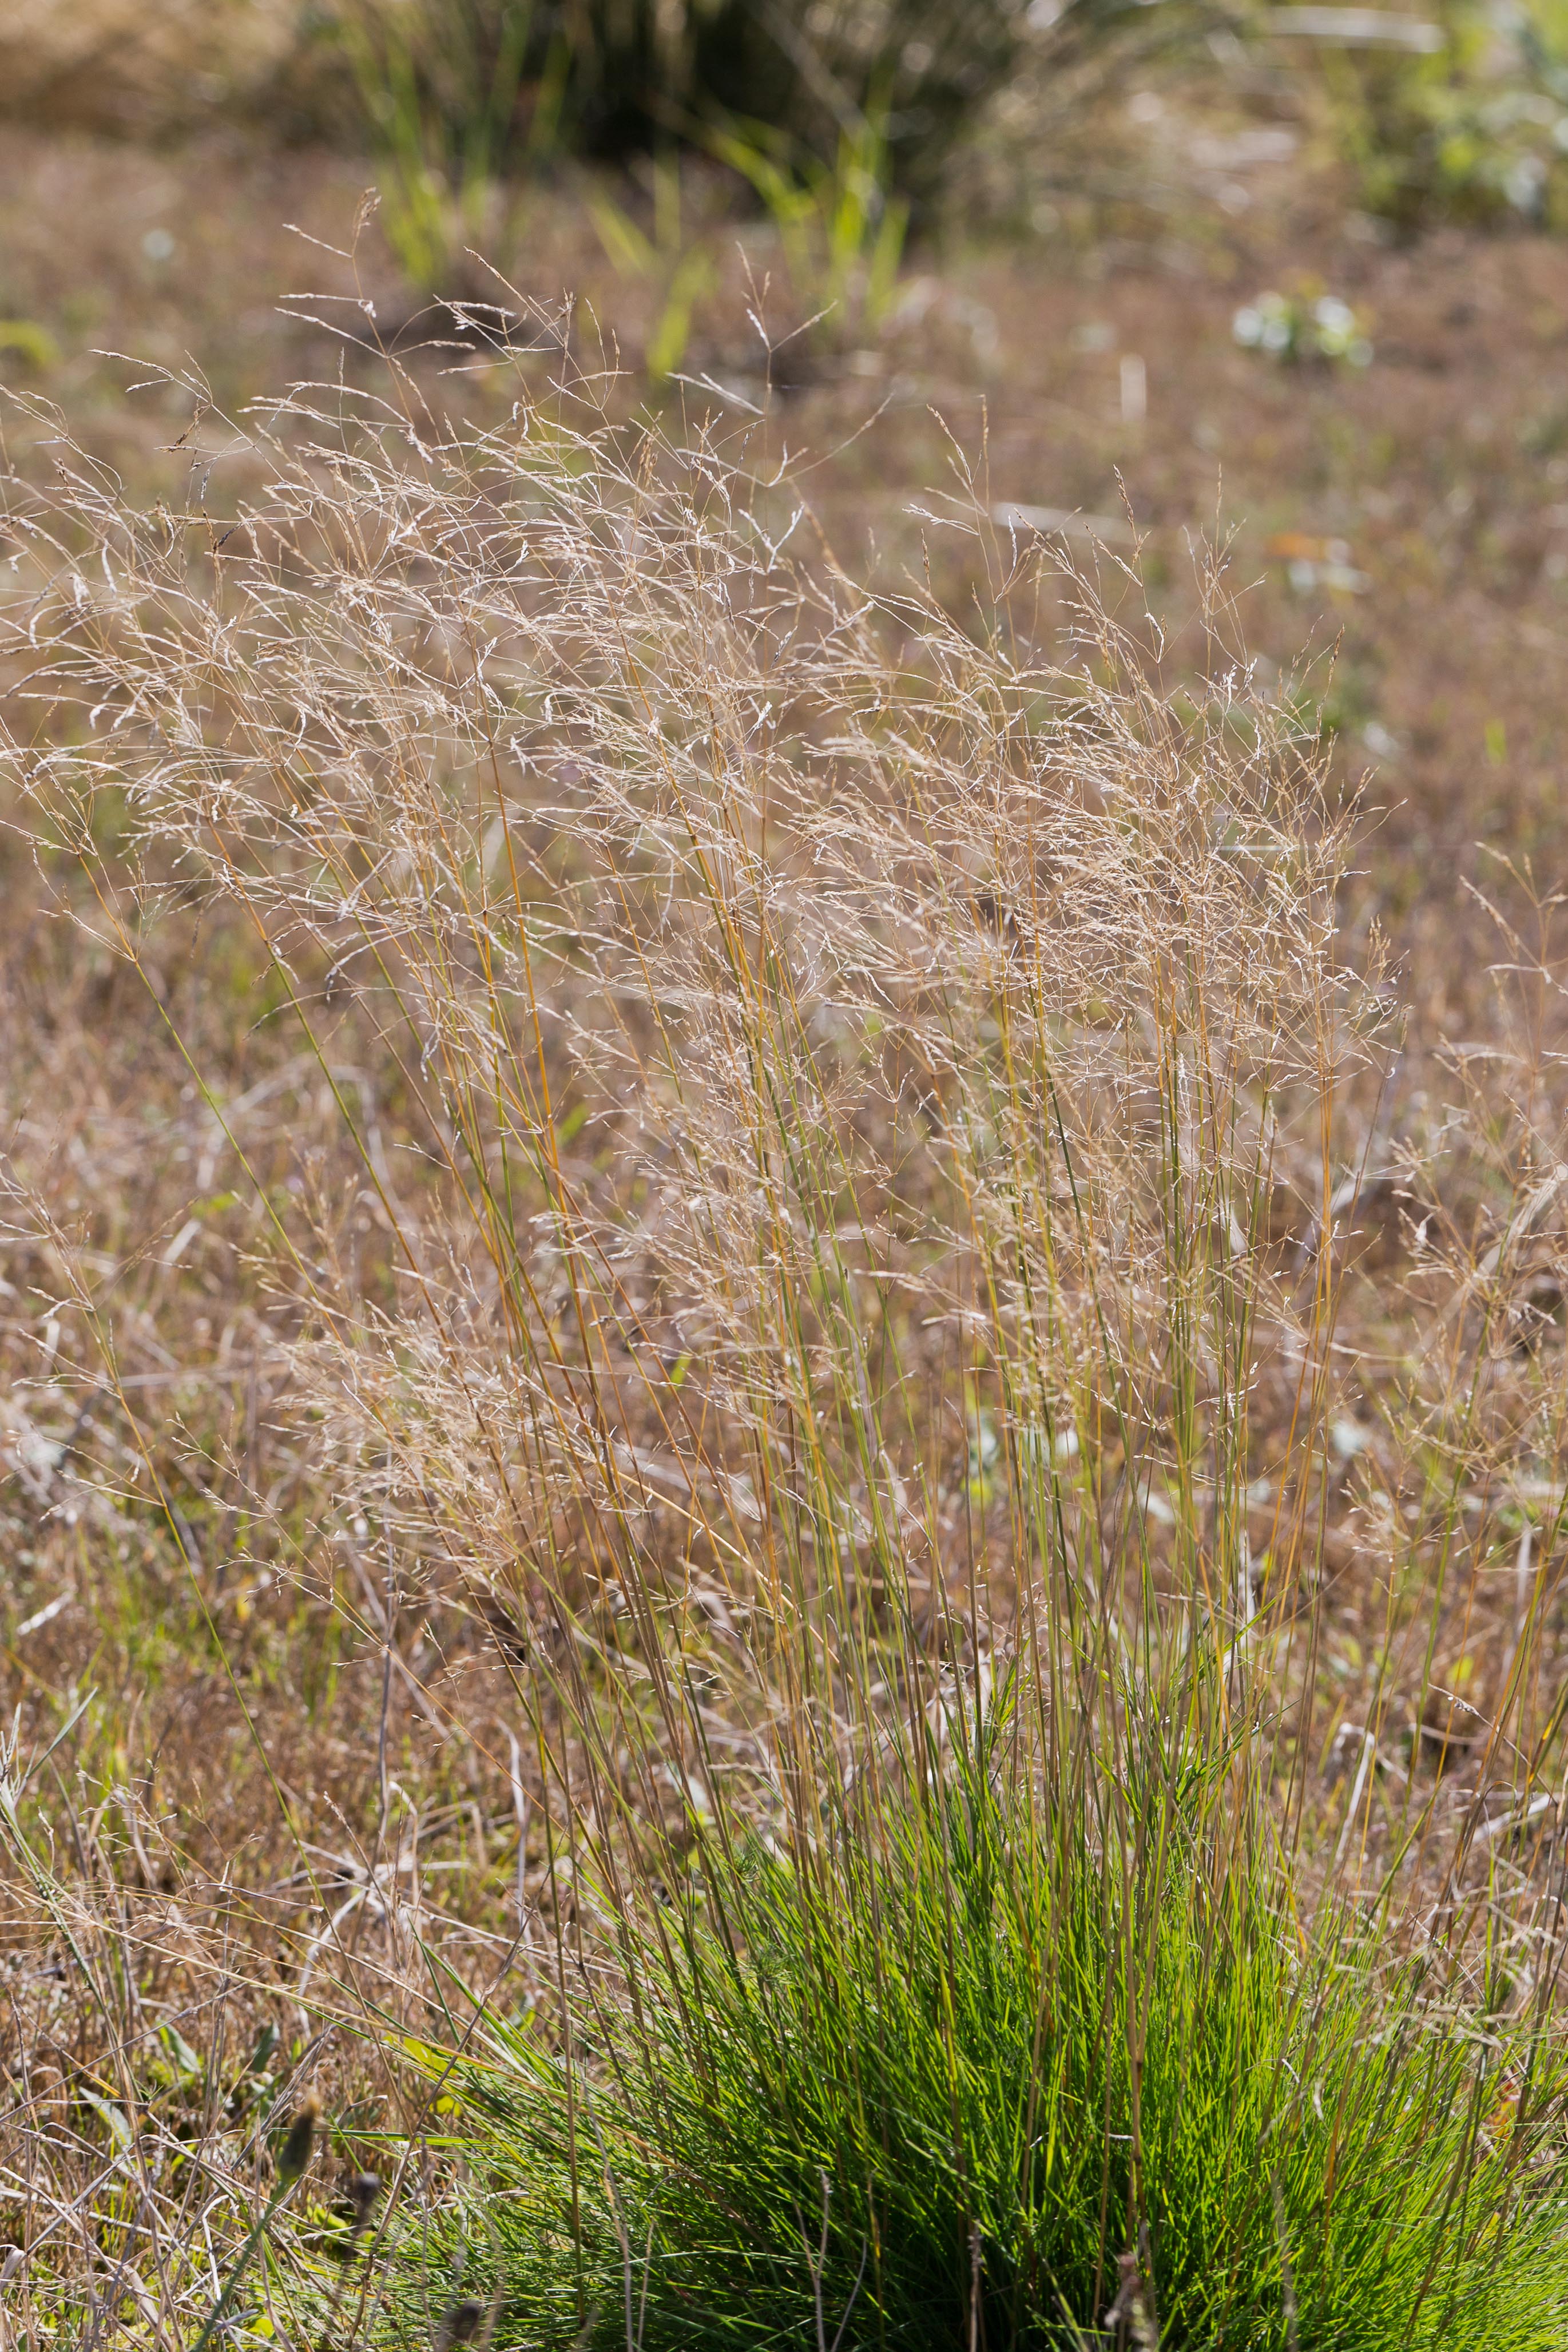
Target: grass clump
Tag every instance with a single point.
(1469, 129)
(455, 89)
(963, 2078)
(617, 75)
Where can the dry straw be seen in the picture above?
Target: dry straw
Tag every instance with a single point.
(881, 1096)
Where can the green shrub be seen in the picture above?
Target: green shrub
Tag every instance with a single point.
(1302, 326)
(1475, 129)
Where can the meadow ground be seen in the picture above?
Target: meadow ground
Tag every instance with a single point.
(288, 1778)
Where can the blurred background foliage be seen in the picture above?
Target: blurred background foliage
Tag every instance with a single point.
(1472, 126)
(818, 107)
(814, 147)
(502, 82)
(842, 120)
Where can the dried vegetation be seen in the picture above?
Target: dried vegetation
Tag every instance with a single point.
(799, 1230)
(702, 1239)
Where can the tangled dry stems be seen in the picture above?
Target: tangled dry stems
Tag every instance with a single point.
(881, 1109)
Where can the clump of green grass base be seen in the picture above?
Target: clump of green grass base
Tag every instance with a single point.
(967, 2077)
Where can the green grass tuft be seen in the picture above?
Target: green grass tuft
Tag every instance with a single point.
(915, 2088)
